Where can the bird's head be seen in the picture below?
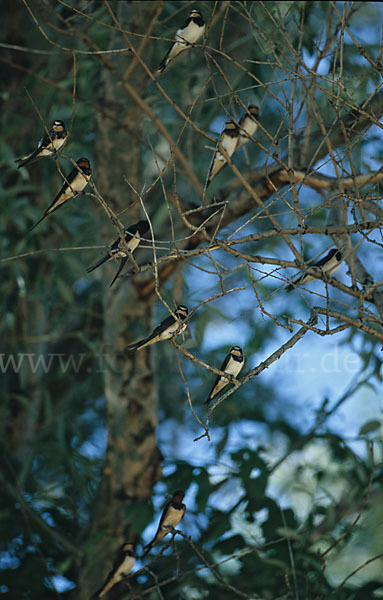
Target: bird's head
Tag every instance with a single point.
(58, 126)
(84, 165)
(253, 110)
(236, 351)
(230, 127)
(182, 311)
(195, 14)
(334, 252)
(178, 495)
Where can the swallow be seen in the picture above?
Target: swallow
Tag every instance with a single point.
(172, 514)
(248, 125)
(228, 140)
(122, 566)
(232, 365)
(74, 184)
(328, 264)
(168, 328)
(132, 236)
(48, 145)
(190, 32)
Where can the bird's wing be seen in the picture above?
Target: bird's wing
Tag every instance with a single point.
(217, 164)
(114, 247)
(162, 326)
(116, 244)
(122, 264)
(164, 62)
(156, 332)
(32, 157)
(322, 262)
(102, 260)
(218, 379)
(154, 539)
(304, 278)
(37, 153)
(60, 199)
(164, 513)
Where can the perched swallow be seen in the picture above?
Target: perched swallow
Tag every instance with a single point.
(167, 329)
(48, 145)
(328, 264)
(118, 250)
(172, 514)
(122, 566)
(232, 365)
(248, 125)
(190, 32)
(74, 184)
(228, 140)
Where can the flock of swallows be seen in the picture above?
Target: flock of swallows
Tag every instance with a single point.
(231, 139)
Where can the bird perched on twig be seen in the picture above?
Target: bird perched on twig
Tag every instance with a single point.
(75, 182)
(189, 34)
(49, 144)
(248, 125)
(232, 365)
(167, 329)
(328, 264)
(228, 140)
(172, 514)
(122, 566)
(132, 236)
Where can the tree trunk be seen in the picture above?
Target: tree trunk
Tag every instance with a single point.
(132, 463)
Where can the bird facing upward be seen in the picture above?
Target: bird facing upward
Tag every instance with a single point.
(174, 511)
(232, 365)
(248, 125)
(228, 140)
